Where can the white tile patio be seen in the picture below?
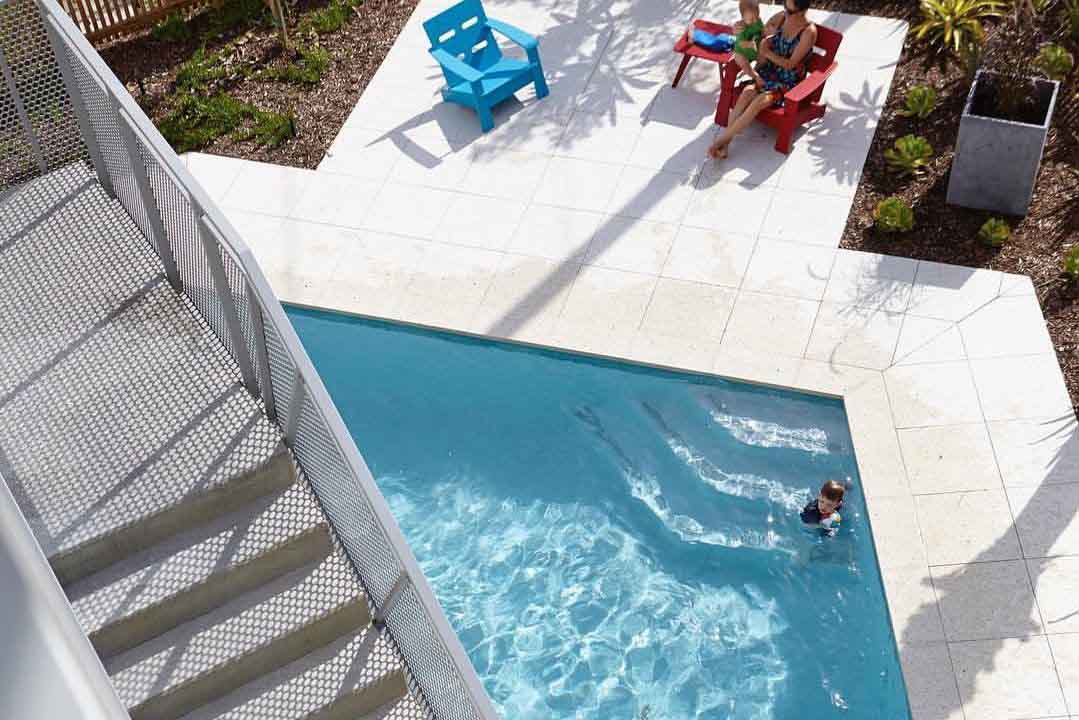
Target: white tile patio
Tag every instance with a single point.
(592, 221)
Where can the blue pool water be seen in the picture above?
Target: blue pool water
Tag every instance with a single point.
(619, 543)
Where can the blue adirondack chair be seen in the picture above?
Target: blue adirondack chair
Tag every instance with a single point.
(477, 75)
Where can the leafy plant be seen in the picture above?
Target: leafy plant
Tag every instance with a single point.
(328, 19)
(953, 28)
(229, 15)
(308, 68)
(173, 28)
(200, 71)
(920, 101)
(196, 121)
(995, 232)
(1071, 7)
(893, 214)
(1071, 263)
(910, 154)
(1055, 61)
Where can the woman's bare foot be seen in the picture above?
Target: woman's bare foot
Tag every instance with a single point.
(718, 149)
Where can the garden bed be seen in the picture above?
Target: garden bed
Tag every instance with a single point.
(260, 102)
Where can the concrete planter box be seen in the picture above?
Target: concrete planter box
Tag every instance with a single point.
(996, 161)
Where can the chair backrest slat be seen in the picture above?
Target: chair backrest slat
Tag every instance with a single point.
(827, 40)
(462, 31)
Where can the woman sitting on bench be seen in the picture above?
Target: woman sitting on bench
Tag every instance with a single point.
(790, 38)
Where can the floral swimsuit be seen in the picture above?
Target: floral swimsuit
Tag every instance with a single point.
(780, 80)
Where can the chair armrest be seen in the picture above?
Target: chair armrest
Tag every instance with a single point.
(456, 66)
(516, 35)
(812, 82)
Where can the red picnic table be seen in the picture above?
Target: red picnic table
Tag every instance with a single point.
(728, 70)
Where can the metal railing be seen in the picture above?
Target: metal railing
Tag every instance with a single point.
(204, 259)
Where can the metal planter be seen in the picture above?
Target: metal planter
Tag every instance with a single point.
(996, 161)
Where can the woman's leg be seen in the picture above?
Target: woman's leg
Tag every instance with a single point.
(743, 114)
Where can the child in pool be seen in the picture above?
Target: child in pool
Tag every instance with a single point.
(824, 510)
(748, 33)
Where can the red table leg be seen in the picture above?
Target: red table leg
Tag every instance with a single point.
(681, 69)
(728, 75)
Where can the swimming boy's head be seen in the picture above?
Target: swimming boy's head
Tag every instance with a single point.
(830, 496)
(751, 10)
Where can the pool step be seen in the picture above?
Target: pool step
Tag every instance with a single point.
(354, 678)
(241, 641)
(195, 508)
(177, 580)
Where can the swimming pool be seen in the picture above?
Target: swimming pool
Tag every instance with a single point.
(614, 542)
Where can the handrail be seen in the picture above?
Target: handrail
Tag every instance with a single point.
(73, 664)
(305, 374)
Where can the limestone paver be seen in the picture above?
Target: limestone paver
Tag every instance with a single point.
(854, 335)
(652, 195)
(872, 280)
(931, 684)
(1047, 518)
(457, 235)
(949, 458)
(710, 256)
(1056, 585)
(1014, 388)
(806, 217)
(689, 310)
(1066, 656)
(967, 527)
(791, 269)
(771, 324)
(1019, 318)
(1032, 452)
(986, 600)
(336, 199)
(577, 184)
(932, 394)
(925, 340)
(214, 172)
(950, 292)
(1004, 679)
(912, 602)
(632, 245)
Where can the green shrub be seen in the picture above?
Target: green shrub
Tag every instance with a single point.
(328, 19)
(1071, 7)
(1071, 263)
(173, 28)
(231, 14)
(893, 215)
(995, 232)
(199, 72)
(307, 69)
(920, 101)
(953, 28)
(910, 155)
(1055, 61)
(197, 121)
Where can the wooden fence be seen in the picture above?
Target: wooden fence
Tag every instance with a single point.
(104, 20)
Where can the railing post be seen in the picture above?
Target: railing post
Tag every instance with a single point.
(210, 245)
(295, 407)
(159, 237)
(261, 356)
(86, 127)
(20, 110)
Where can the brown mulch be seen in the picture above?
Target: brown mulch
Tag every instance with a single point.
(942, 233)
(148, 68)
(949, 234)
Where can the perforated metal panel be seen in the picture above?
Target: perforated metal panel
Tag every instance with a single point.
(35, 110)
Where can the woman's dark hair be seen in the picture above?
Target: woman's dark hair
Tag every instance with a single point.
(802, 5)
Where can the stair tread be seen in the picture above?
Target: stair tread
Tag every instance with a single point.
(251, 621)
(350, 664)
(182, 562)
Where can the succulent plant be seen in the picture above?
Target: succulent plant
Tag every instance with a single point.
(995, 232)
(953, 28)
(920, 101)
(1055, 61)
(893, 214)
(910, 155)
(1071, 263)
